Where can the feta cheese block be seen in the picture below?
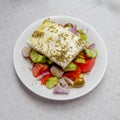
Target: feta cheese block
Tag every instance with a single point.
(58, 44)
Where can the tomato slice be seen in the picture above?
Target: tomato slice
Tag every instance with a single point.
(45, 68)
(73, 74)
(44, 79)
(78, 71)
(87, 67)
(38, 69)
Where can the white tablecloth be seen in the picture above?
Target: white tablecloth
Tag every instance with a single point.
(18, 103)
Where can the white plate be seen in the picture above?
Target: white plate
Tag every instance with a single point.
(92, 80)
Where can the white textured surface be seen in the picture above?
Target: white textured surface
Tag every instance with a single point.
(18, 103)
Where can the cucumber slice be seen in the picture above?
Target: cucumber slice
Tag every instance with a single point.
(82, 34)
(91, 53)
(36, 57)
(80, 56)
(71, 67)
(51, 82)
(80, 60)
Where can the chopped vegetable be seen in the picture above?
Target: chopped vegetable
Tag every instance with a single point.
(71, 67)
(73, 74)
(82, 34)
(36, 57)
(87, 67)
(78, 71)
(74, 29)
(79, 60)
(45, 73)
(60, 90)
(92, 46)
(56, 71)
(42, 75)
(38, 69)
(69, 81)
(63, 83)
(78, 82)
(51, 82)
(91, 53)
(45, 68)
(26, 51)
(45, 78)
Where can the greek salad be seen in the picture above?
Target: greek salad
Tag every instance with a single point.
(55, 77)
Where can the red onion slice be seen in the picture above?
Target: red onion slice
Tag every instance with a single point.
(74, 29)
(63, 83)
(69, 80)
(26, 51)
(45, 73)
(60, 90)
(56, 71)
(92, 46)
(42, 75)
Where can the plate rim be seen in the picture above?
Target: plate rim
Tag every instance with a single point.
(82, 94)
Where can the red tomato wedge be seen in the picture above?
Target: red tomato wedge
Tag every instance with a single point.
(78, 71)
(38, 69)
(73, 74)
(87, 67)
(45, 68)
(45, 78)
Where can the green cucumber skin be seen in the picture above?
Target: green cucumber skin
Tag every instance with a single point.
(82, 34)
(80, 60)
(71, 67)
(91, 53)
(36, 57)
(51, 82)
